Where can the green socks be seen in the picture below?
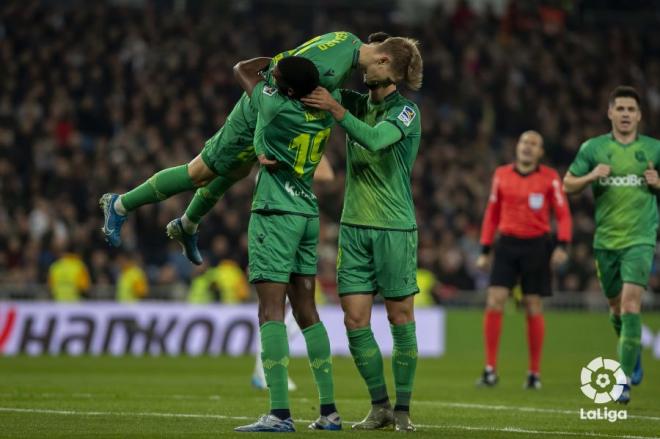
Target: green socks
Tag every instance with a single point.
(320, 361)
(158, 187)
(369, 361)
(630, 341)
(616, 323)
(206, 197)
(275, 358)
(404, 362)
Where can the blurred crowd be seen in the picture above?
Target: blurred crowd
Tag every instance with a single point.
(96, 98)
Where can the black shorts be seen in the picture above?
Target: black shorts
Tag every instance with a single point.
(523, 260)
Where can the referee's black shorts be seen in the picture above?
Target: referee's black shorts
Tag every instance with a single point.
(523, 260)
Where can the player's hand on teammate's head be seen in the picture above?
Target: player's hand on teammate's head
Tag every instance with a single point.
(651, 176)
(270, 164)
(320, 98)
(559, 257)
(601, 170)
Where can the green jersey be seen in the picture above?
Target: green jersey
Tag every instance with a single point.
(626, 209)
(335, 55)
(295, 136)
(378, 192)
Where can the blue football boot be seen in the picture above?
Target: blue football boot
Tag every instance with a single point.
(112, 220)
(188, 241)
(332, 422)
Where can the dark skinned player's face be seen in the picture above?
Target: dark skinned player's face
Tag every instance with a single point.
(277, 75)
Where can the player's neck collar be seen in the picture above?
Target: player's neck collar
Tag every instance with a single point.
(525, 174)
(387, 99)
(621, 143)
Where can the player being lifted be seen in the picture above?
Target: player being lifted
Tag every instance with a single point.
(378, 232)
(229, 155)
(621, 168)
(284, 230)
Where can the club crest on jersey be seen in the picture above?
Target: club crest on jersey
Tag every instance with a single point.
(536, 201)
(407, 115)
(269, 91)
(640, 156)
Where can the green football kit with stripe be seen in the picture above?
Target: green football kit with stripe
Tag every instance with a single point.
(378, 232)
(284, 226)
(626, 209)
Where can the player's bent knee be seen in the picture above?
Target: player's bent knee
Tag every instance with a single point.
(199, 172)
(270, 314)
(533, 305)
(400, 318)
(630, 307)
(306, 318)
(355, 321)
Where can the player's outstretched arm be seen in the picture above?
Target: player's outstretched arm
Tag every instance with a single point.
(373, 138)
(574, 184)
(247, 73)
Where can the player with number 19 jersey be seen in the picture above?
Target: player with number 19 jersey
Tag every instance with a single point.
(230, 152)
(284, 225)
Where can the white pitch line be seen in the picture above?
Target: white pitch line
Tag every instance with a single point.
(210, 416)
(460, 405)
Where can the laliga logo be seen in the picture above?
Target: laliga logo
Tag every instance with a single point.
(602, 382)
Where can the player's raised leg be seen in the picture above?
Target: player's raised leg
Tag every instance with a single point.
(158, 187)
(301, 296)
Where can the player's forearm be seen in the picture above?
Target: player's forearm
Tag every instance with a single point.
(573, 184)
(247, 72)
(372, 138)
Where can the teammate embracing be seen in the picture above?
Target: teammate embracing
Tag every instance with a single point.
(229, 155)
(621, 168)
(284, 230)
(378, 232)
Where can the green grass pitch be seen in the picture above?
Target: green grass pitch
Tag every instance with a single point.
(206, 397)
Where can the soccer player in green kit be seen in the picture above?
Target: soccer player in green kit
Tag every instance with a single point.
(621, 169)
(378, 232)
(229, 155)
(284, 230)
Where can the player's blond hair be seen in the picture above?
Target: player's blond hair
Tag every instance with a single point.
(407, 65)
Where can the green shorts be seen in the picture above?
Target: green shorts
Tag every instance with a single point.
(627, 265)
(281, 244)
(230, 151)
(377, 261)
(230, 161)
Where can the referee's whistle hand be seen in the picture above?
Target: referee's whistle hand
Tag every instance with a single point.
(483, 261)
(559, 257)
